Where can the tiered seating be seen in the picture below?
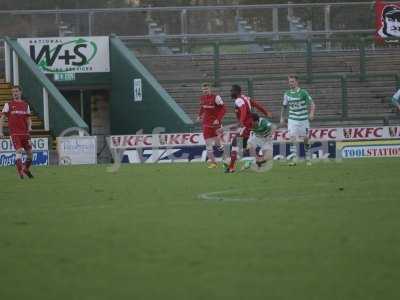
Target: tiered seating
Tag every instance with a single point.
(365, 99)
(371, 97)
(254, 64)
(383, 60)
(268, 92)
(174, 67)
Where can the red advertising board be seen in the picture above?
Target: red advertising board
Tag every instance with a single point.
(279, 136)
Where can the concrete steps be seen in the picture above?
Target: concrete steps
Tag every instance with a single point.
(37, 123)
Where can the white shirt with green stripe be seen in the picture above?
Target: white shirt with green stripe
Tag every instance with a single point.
(298, 101)
(263, 128)
(261, 135)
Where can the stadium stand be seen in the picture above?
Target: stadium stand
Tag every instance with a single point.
(368, 101)
(274, 49)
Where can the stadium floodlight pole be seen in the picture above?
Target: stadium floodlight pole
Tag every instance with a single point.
(90, 23)
(275, 23)
(7, 61)
(15, 68)
(46, 109)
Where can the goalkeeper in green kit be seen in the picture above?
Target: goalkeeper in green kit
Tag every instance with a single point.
(260, 138)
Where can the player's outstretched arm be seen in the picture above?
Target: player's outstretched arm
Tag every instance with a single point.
(220, 109)
(200, 114)
(283, 114)
(285, 104)
(243, 116)
(220, 113)
(29, 124)
(261, 109)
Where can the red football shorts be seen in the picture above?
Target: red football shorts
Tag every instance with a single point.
(211, 132)
(246, 133)
(22, 141)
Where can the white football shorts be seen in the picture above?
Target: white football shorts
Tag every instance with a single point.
(298, 129)
(264, 143)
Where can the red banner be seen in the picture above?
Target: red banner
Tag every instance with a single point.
(278, 136)
(387, 21)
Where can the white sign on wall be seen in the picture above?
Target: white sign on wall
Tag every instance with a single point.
(69, 54)
(137, 89)
(77, 150)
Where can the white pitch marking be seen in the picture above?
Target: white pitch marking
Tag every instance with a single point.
(216, 196)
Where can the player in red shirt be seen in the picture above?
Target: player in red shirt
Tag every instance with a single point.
(211, 113)
(243, 108)
(18, 114)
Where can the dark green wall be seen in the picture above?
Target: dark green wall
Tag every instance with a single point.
(32, 80)
(157, 109)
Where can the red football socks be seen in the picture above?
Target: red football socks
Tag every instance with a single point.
(18, 165)
(233, 159)
(28, 164)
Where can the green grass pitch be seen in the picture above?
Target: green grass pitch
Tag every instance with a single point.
(329, 231)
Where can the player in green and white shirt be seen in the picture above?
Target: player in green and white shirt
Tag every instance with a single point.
(396, 100)
(301, 111)
(260, 136)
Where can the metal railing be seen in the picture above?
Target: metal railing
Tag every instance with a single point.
(2, 55)
(190, 20)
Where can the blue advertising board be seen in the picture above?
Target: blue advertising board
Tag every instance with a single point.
(40, 148)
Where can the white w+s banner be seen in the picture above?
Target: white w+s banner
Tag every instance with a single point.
(69, 54)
